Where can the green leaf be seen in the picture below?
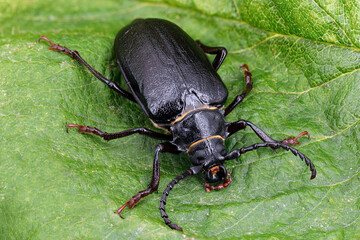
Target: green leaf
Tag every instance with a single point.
(305, 59)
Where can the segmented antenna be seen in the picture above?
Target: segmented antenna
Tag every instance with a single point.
(166, 193)
(274, 145)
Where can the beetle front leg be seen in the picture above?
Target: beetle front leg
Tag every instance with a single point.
(154, 184)
(75, 55)
(233, 127)
(239, 98)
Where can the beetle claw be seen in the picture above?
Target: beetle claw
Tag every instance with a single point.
(46, 39)
(119, 215)
(293, 140)
(122, 208)
(244, 68)
(58, 47)
(70, 125)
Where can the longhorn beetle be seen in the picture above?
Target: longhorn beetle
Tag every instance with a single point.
(179, 90)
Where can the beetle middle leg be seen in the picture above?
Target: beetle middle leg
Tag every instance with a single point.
(239, 98)
(111, 136)
(75, 55)
(220, 52)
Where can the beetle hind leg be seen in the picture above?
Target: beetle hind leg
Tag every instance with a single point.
(75, 55)
(239, 98)
(220, 52)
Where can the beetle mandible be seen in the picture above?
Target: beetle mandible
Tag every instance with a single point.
(179, 90)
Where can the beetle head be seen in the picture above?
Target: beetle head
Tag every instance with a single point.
(209, 154)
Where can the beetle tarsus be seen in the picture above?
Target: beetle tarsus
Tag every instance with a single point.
(248, 86)
(46, 39)
(293, 140)
(244, 67)
(226, 183)
(118, 212)
(133, 201)
(58, 47)
(154, 184)
(85, 129)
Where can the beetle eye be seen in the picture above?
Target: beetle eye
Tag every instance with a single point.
(220, 148)
(198, 157)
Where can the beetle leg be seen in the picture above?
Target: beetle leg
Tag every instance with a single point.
(111, 136)
(293, 140)
(226, 183)
(233, 127)
(75, 55)
(220, 52)
(239, 98)
(274, 145)
(154, 184)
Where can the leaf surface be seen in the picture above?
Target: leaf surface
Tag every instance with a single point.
(305, 59)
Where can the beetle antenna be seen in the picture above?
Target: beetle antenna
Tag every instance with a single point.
(166, 193)
(274, 145)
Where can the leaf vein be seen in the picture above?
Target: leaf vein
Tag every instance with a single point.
(337, 24)
(236, 7)
(255, 45)
(245, 23)
(308, 90)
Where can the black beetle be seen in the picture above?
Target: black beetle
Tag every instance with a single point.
(178, 88)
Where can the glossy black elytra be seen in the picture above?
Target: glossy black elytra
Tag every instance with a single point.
(178, 88)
